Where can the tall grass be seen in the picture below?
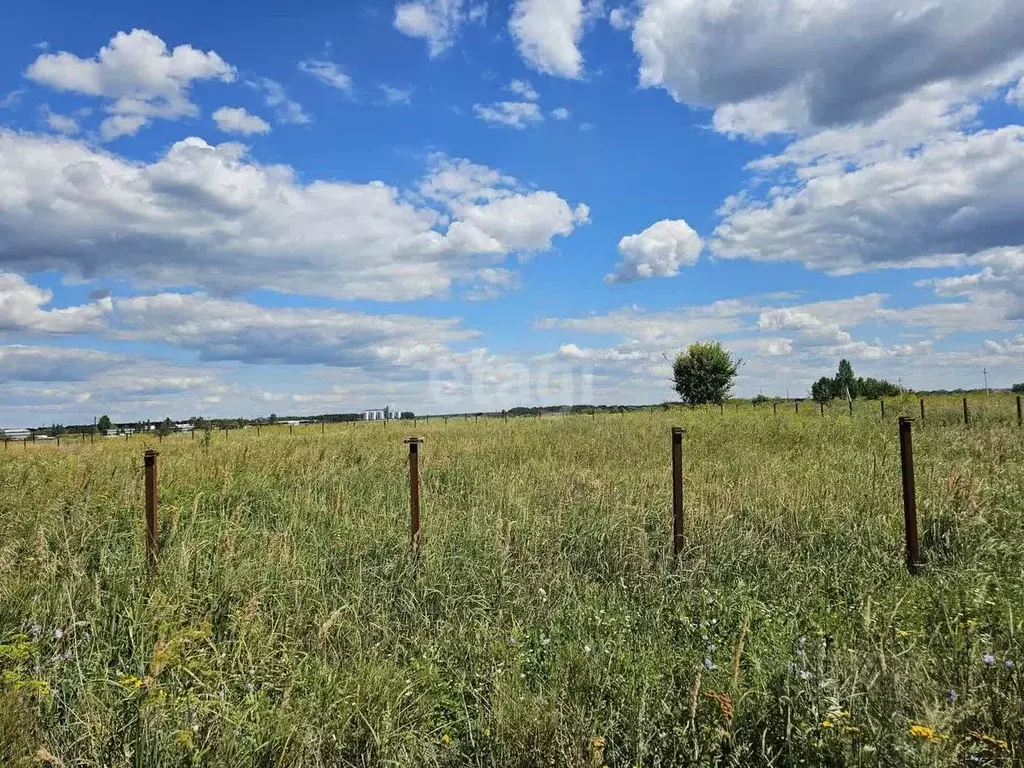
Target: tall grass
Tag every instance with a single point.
(544, 622)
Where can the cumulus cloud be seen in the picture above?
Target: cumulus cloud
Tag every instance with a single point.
(238, 120)
(659, 251)
(548, 34)
(437, 22)
(953, 197)
(209, 216)
(560, 113)
(524, 89)
(141, 79)
(803, 66)
(225, 329)
(22, 308)
(621, 18)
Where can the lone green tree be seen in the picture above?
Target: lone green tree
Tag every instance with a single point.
(104, 423)
(844, 381)
(166, 427)
(705, 373)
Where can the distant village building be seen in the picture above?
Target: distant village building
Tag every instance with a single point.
(184, 427)
(380, 414)
(16, 433)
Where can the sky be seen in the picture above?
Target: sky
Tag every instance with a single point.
(457, 206)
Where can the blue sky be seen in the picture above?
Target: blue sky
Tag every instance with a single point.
(451, 205)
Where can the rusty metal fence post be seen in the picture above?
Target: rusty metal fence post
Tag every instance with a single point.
(909, 495)
(152, 551)
(822, 406)
(922, 409)
(678, 532)
(414, 491)
(796, 407)
(966, 413)
(1019, 415)
(775, 409)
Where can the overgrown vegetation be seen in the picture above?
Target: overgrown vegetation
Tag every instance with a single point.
(844, 384)
(544, 624)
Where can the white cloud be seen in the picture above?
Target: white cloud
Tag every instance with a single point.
(11, 99)
(329, 73)
(523, 89)
(391, 95)
(492, 282)
(794, 66)
(548, 34)
(560, 113)
(208, 216)
(224, 329)
(287, 112)
(621, 18)
(60, 123)
(658, 251)
(438, 22)
(22, 309)
(955, 196)
(238, 120)
(514, 114)
(137, 74)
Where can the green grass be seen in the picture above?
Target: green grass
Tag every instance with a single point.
(544, 624)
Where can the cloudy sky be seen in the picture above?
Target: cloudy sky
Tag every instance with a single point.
(457, 205)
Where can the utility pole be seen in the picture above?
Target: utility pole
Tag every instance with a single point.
(985, 371)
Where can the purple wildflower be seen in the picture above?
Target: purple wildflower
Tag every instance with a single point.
(1009, 664)
(952, 696)
(988, 659)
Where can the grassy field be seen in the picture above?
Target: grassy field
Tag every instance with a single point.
(544, 623)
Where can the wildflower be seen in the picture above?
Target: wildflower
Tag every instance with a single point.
(512, 641)
(988, 659)
(34, 629)
(712, 648)
(58, 634)
(545, 641)
(827, 724)
(446, 739)
(133, 682)
(805, 674)
(587, 649)
(249, 687)
(924, 732)
(952, 696)
(709, 662)
(1009, 664)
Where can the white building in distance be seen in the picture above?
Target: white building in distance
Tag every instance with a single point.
(15, 433)
(380, 414)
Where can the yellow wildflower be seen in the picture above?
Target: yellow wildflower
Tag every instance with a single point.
(827, 724)
(446, 739)
(924, 732)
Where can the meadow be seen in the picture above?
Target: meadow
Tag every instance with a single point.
(545, 621)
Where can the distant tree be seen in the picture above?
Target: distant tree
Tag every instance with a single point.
(823, 389)
(705, 373)
(873, 389)
(166, 427)
(844, 381)
(408, 415)
(1018, 388)
(104, 423)
(201, 424)
(272, 419)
